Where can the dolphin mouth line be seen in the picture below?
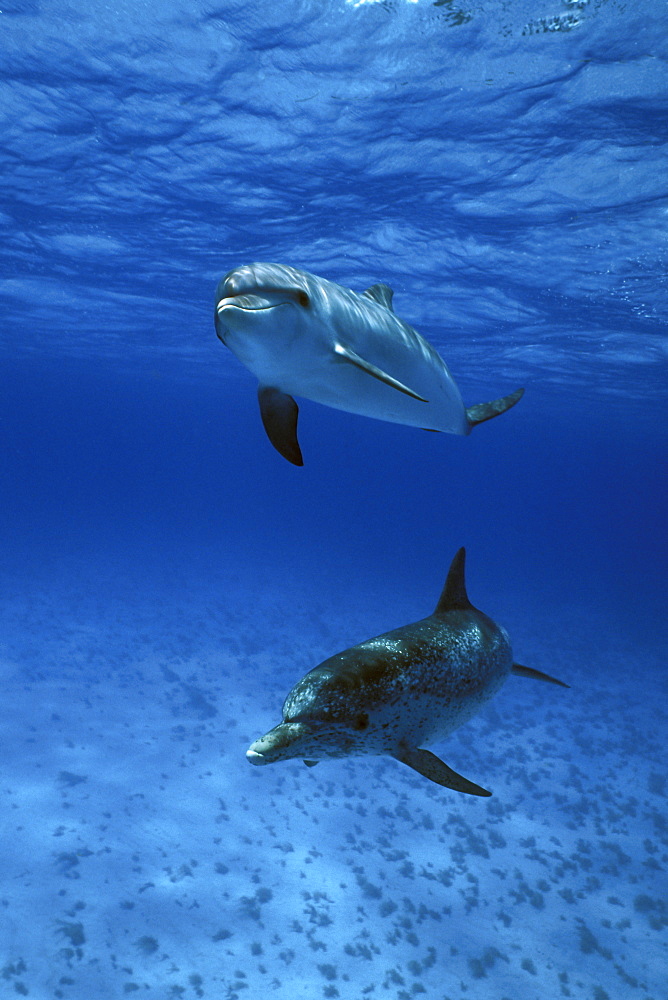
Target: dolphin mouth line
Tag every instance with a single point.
(227, 303)
(255, 758)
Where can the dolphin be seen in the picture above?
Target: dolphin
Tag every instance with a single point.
(392, 694)
(306, 336)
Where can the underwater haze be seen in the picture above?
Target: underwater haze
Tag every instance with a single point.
(166, 576)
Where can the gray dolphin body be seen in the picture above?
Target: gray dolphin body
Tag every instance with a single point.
(392, 694)
(305, 336)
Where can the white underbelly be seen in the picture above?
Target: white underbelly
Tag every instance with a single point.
(310, 369)
(344, 387)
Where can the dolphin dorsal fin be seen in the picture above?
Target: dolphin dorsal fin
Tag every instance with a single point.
(380, 293)
(454, 596)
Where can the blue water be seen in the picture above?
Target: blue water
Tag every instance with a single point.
(166, 576)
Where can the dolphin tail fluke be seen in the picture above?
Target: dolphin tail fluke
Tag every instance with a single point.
(481, 412)
(537, 675)
(279, 416)
(432, 767)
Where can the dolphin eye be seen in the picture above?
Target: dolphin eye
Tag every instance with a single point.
(361, 722)
(303, 299)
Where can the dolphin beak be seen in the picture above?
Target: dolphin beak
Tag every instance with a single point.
(253, 301)
(224, 304)
(278, 743)
(237, 301)
(218, 322)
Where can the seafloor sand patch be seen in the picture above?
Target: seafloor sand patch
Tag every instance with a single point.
(141, 853)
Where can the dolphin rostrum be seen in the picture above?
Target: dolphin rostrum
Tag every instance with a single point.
(305, 336)
(392, 694)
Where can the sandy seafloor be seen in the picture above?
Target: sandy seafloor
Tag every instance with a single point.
(141, 853)
(165, 577)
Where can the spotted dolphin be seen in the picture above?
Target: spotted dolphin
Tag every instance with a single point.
(392, 694)
(306, 336)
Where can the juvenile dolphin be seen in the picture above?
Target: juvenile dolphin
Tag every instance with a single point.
(305, 336)
(392, 694)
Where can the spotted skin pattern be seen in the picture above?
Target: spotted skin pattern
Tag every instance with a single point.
(406, 688)
(414, 685)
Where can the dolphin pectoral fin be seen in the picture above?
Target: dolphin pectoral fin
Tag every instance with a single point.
(311, 763)
(279, 416)
(537, 675)
(481, 412)
(432, 767)
(380, 293)
(345, 354)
